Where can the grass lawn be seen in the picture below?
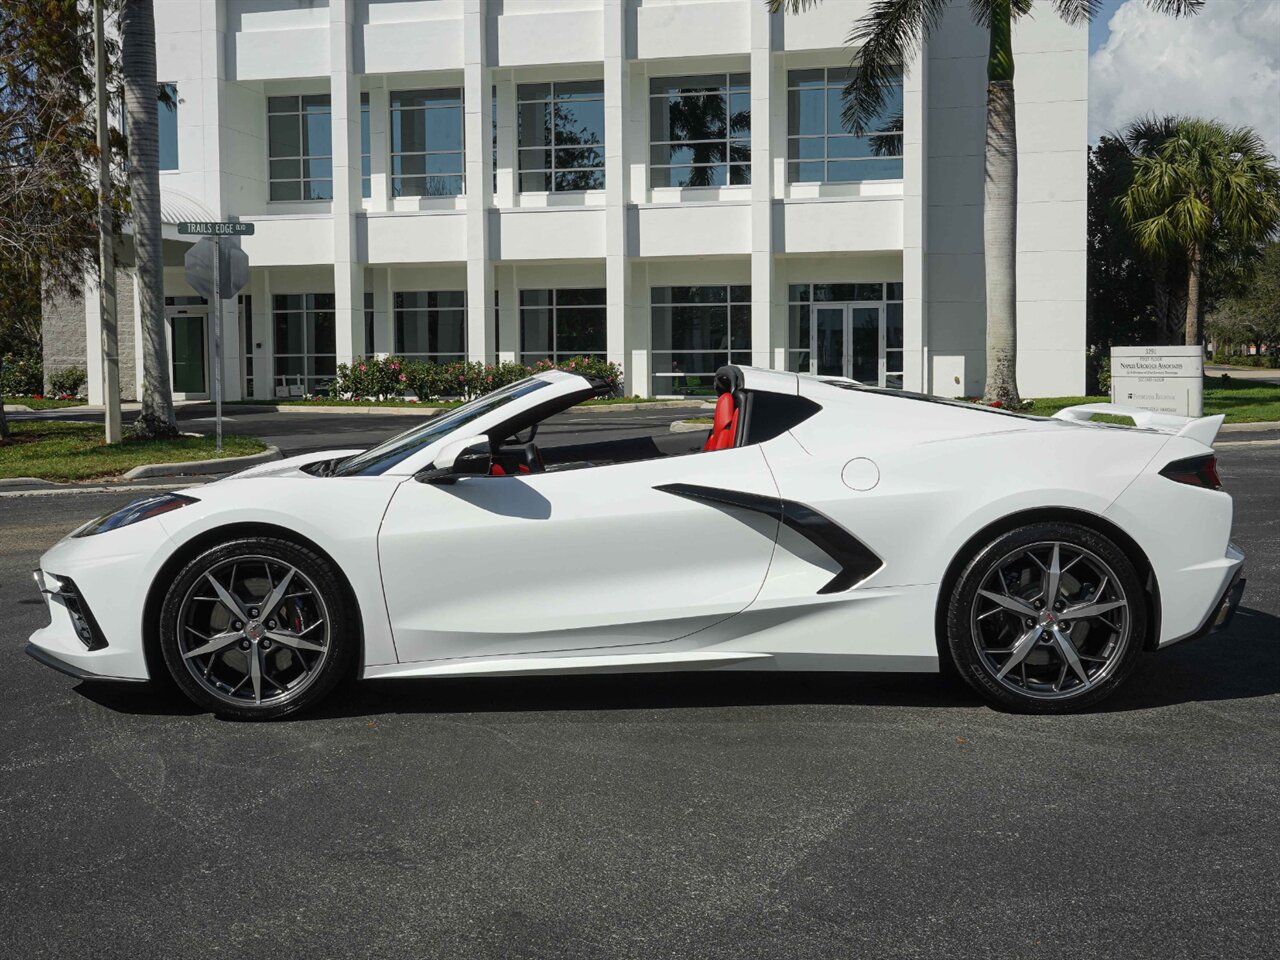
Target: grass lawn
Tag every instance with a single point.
(42, 403)
(61, 450)
(1243, 401)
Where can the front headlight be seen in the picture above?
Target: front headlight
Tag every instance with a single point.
(137, 510)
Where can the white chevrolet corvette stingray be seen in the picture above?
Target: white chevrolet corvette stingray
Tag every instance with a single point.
(818, 525)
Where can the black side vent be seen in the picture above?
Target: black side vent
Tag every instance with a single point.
(86, 626)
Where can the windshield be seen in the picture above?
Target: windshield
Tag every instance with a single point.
(390, 452)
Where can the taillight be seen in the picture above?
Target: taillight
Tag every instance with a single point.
(1197, 471)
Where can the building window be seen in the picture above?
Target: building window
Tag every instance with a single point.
(697, 330)
(821, 150)
(245, 303)
(426, 143)
(558, 324)
(871, 310)
(366, 152)
(300, 147)
(305, 343)
(561, 135)
(368, 323)
(431, 325)
(700, 131)
(167, 125)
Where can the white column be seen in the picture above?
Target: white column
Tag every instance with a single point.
(507, 186)
(93, 337)
(228, 314)
(264, 374)
(617, 78)
(344, 99)
(915, 212)
(762, 273)
(508, 312)
(478, 133)
(136, 320)
(379, 148)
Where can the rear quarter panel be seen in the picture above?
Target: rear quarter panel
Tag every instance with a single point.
(943, 475)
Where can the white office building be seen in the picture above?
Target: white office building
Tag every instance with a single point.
(664, 183)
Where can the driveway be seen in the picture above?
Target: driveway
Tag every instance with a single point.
(689, 816)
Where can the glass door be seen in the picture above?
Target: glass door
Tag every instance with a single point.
(849, 341)
(187, 349)
(863, 363)
(829, 340)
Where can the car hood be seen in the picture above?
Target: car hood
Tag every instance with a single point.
(291, 466)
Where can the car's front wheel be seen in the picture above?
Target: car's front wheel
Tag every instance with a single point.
(257, 628)
(1047, 618)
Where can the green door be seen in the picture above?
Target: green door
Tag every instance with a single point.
(188, 355)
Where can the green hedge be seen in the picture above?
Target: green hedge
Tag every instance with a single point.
(381, 378)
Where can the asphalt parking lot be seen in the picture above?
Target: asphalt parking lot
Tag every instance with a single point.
(704, 815)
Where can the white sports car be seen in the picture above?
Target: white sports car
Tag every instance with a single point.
(818, 525)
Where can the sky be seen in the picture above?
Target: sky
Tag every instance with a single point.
(1223, 63)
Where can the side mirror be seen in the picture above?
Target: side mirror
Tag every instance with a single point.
(468, 457)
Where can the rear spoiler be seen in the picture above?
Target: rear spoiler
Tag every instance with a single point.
(1203, 429)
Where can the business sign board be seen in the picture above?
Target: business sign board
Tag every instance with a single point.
(1163, 379)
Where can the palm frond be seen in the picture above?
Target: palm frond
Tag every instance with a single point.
(1076, 12)
(791, 6)
(1176, 8)
(886, 38)
(980, 10)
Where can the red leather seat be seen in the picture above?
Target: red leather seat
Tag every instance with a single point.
(724, 425)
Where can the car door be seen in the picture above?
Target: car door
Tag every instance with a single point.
(605, 556)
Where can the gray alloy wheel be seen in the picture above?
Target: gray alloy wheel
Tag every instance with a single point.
(256, 628)
(1047, 618)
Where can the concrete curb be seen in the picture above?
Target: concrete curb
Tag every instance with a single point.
(225, 465)
(428, 410)
(1248, 427)
(25, 482)
(18, 408)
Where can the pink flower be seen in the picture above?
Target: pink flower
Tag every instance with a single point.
(403, 378)
(363, 368)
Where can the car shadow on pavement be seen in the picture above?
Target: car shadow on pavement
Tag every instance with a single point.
(1242, 663)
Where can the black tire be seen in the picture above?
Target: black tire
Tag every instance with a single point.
(1101, 648)
(284, 684)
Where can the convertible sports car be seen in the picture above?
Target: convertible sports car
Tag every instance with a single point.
(818, 525)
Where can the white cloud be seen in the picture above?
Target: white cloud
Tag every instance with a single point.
(1224, 63)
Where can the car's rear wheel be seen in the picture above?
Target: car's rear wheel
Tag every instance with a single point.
(1047, 618)
(257, 628)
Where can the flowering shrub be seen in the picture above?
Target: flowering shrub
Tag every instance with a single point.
(377, 378)
(21, 375)
(67, 384)
(370, 378)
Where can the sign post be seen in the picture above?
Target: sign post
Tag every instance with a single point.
(218, 271)
(1163, 379)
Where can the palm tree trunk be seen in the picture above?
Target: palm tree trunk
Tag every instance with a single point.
(1194, 265)
(138, 59)
(1000, 213)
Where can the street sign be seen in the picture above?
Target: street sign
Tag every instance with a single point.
(218, 269)
(1163, 379)
(205, 228)
(233, 266)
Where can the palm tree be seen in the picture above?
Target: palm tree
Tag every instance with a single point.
(138, 60)
(1202, 183)
(885, 40)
